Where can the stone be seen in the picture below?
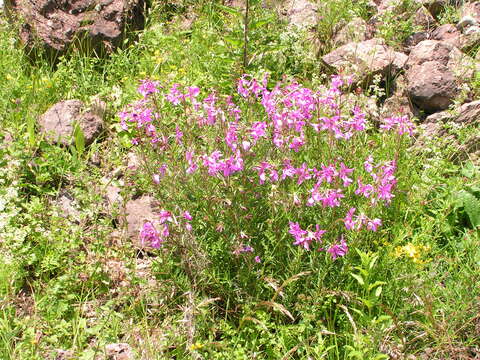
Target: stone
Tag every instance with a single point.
(398, 104)
(58, 122)
(68, 207)
(423, 19)
(301, 13)
(471, 10)
(435, 7)
(354, 31)
(119, 351)
(434, 72)
(433, 130)
(57, 25)
(415, 39)
(137, 212)
(447, 33)
(365, 59)
(468, 113)
(466, 22)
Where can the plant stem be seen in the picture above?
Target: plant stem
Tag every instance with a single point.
(245, 34)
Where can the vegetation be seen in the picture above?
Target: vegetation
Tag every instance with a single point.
(256, 252)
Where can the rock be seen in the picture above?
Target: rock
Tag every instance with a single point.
(423, 19)
(95, 24)
(415, 39)
(447, 33)
(137, 212)
(398, 104)
(433, 130)
(466, 22)
(434, 71)
(113, 195)
(354, 31)
(119, 351)
(435, 7)
(365, 59)
(470, 40)
(67, 206)
(468, 113)
(471, 10)
(58, 122)
(450, 34)
(301, 13)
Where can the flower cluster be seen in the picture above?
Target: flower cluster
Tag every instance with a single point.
(220, 140)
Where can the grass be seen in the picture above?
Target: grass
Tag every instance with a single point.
(73, 283)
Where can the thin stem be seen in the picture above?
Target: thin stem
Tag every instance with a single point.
(245, 34)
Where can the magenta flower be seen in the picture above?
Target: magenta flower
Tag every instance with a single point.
(257, 259)
(402, 124)
(150, 236)
(373, 225)
(348, 220)
(147, 87)
(165, 216)
(187, 215)
(338, 250)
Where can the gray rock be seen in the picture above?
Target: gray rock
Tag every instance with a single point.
(58, 122)
(434, 131)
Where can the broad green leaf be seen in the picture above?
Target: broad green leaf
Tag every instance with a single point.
(359, 278)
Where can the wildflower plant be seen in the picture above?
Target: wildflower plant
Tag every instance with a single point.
(302, 164)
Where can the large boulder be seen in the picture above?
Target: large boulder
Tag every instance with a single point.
(365, 59)
(434, 72)
(94, 24)
(58, 123)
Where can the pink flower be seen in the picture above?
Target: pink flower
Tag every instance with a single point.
(147, 87)
(348, 220)
(149, 235)
(337, 250)
(373, 225)
(187, 215)
(165, 216)
(402, 124)
(178, 135)
(257, 259)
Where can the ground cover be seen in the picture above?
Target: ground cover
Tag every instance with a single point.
(291, 220)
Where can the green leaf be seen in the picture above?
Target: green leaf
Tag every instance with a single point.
(469, 170)
(229, 10)
(79, 139)
(233, 41)
(471, 205)
(378, 292)
(260, 22)
(359, 278)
